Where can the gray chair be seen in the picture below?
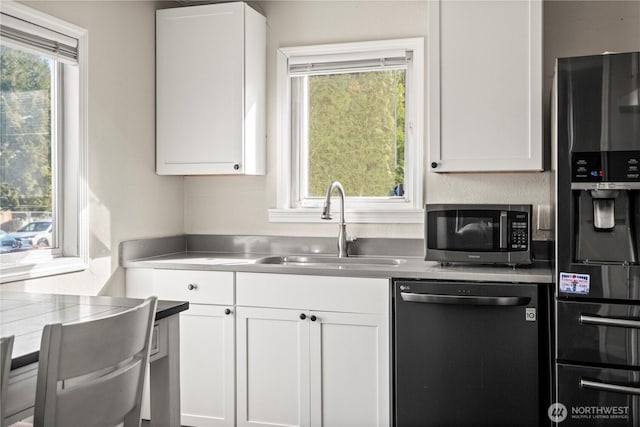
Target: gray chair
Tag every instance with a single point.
(91, 374)
(6, 348)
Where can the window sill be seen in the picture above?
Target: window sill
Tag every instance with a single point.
(310, 215)
(32, 270)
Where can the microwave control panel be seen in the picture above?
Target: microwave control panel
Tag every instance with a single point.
(518, 231)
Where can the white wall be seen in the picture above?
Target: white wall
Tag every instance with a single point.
(238, 205)
(127, 199)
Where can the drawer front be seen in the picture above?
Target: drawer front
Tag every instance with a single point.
(323, 293)
(201, 287)
(598, 397)
(599, 333)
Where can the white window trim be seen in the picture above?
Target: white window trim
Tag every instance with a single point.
(410, 211)
(72, 203)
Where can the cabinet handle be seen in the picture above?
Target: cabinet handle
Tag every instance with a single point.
(227, 311)
(236, 166)
(434, 165)
(313, 318)
(191, 286)
(303, 316)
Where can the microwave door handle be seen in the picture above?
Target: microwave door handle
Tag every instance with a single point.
(464, 299)
(615, 388)
(503, 229)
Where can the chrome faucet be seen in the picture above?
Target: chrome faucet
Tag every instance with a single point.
(343, 240)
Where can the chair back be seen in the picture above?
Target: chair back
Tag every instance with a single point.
(6, 348)
(91, 374)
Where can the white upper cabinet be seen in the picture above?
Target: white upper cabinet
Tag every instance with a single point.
(485, 86)
(210, 90)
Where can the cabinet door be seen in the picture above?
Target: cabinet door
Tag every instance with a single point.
(207, 340)
(485, 86)
(207, 366)
(199, 89)
(273, 367)
(349, 369)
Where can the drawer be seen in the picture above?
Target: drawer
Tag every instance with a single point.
(201, 287)
(596, 397)
(322, 293)
(599, 333)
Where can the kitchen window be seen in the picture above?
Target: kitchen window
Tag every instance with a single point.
(351, 112)
(43, 156)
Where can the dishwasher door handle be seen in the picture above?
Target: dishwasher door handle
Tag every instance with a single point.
(463, 299)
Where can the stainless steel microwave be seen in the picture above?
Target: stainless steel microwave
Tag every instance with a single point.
(478, 233)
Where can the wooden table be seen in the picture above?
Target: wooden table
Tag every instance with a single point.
(24, 315)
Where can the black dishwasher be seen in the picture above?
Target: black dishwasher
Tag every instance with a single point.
(471, 354)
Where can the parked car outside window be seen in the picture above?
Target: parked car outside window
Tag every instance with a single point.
(35, 235)
(8, 242)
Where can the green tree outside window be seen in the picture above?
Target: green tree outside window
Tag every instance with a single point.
(25, 131)
(356, 132)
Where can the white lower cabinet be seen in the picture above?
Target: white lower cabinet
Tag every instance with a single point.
(349, 369)
(273, 367)
(278, 349)
(309, 367)
(207, 366)
(207, 340)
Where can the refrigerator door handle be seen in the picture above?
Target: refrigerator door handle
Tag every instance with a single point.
(615, 388)
(609, 321)
(464, 299)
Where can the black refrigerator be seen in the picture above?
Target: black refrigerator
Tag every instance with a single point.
(597, 125)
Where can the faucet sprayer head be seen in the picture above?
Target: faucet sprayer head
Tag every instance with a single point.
(326, 212)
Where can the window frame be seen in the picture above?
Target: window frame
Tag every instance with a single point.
(69, 135)
(357, 209)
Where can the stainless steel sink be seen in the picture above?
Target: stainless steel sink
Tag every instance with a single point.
(330, 260)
